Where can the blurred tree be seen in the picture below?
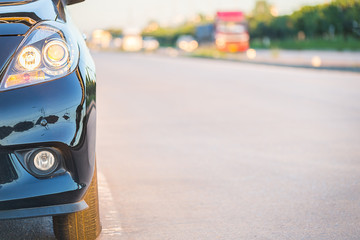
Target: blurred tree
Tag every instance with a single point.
(260, 19)
(262, 11)
(339, 18)
(115, 32)
(151, 26)
(167, 36)
(281, 27)
(307, 20)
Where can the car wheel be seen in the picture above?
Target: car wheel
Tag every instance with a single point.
(84, 224)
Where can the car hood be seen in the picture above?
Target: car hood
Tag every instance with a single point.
(29, 11)
(16, 18)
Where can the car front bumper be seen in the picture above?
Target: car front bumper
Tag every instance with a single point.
(70, 118)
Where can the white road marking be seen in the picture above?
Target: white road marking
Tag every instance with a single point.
(109, 215)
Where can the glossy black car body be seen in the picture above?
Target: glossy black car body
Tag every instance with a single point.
(59, 114)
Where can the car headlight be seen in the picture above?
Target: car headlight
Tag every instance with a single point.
(46, 53)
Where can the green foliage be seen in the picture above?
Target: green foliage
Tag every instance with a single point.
(115, 32)
(334, 25)
(262, 11)
(168, 36)
(339, 18)
(338, 43)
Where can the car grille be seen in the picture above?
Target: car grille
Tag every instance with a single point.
(7, 170)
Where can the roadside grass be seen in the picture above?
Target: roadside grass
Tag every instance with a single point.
(339, 44)
(208, 52)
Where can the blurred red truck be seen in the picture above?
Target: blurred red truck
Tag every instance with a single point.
(231, 32)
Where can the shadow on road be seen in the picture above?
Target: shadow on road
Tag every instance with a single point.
(34, 228)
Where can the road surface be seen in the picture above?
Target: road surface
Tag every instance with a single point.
(206, 149)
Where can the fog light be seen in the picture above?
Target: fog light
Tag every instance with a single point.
(43, 162)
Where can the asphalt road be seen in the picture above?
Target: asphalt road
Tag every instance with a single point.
(205, 149)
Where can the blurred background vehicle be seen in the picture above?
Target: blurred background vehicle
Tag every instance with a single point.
(187, 43)
(150, 44)
(116, 43)
(205, 33)
(231, 34)
(100, 39)
(132, 43)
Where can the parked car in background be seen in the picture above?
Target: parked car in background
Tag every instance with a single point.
(187, 43)
(132, 43)
(150, 44)
(47, 119)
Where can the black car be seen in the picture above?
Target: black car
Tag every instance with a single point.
(47, 119)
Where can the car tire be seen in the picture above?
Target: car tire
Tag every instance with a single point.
(81, 225)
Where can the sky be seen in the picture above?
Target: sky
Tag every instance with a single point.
(135, 14)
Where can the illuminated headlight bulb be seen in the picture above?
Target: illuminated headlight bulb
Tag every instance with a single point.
(30, 58)
(44, 161)
(56, 53)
